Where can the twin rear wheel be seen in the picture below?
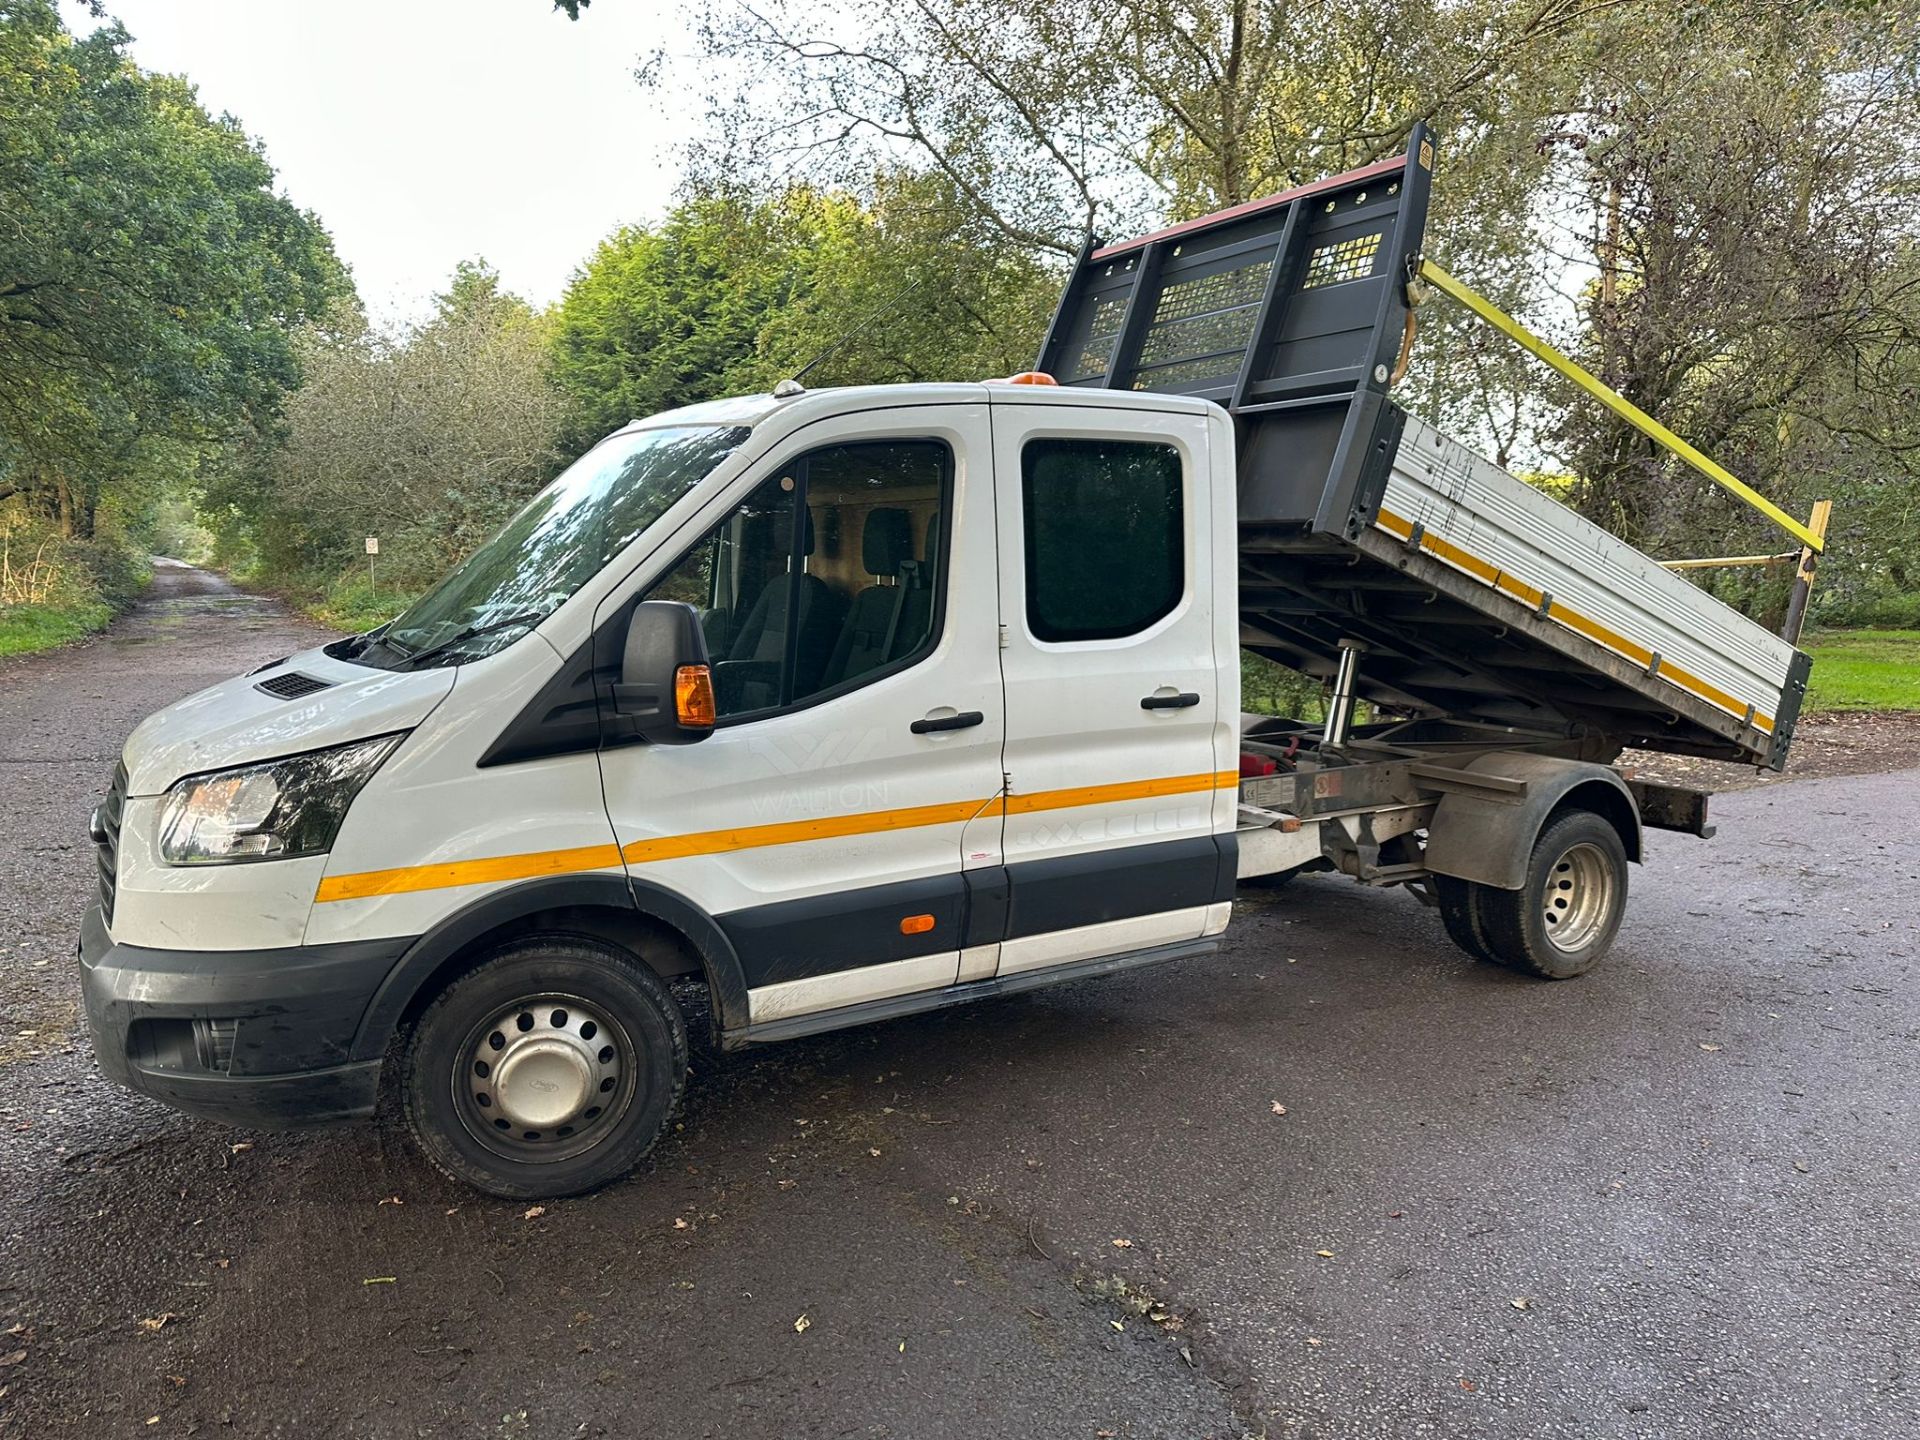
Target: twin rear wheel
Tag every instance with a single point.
(1562, 919)
(548, 1069)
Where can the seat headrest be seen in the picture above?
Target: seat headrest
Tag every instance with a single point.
(887, 541)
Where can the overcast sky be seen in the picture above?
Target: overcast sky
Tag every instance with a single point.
(424, 132)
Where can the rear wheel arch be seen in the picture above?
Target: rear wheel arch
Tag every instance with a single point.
(1489, 839)
(668, 933)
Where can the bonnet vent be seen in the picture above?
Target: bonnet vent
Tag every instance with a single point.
(292, 685)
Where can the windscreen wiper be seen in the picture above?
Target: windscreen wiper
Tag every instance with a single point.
(473, 632)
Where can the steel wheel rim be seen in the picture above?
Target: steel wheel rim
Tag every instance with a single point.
(545, 1078)
(1579, 897)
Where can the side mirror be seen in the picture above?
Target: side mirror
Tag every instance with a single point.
(665, 690)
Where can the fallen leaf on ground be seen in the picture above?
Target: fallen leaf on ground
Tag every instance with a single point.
(678, 1223)
(378, 1280)
(1123, 1244)
(1324, 1254)
(1395, 1214)
(802, 1325)
(1468, 1385)
(1278, 1108)
(160, 1321)
(242, 1147)
(12, 1357)
(1315, 1341)
(1803, 1167)
(874, 1153)
(1116, 1324)
(1708, 1045)
(1522, 1302)
(391, 1200)
(534, 1212)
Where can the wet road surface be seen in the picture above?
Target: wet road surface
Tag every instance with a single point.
(1673, 1199)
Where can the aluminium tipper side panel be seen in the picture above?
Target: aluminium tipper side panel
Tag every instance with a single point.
(1478, 519)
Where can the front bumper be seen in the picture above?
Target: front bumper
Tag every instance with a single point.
(246, 1037)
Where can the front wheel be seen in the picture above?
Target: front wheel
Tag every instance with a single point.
(549, 1069)
(1565, 916)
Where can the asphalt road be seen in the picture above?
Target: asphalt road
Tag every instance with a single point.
(1673, 1199)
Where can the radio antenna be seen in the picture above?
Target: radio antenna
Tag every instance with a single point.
(792, 385)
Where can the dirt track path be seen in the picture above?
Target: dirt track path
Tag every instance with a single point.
(1696, 1167)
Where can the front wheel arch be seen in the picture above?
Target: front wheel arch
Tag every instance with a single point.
(670, 934)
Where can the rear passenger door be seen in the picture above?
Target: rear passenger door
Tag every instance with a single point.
(1113, 710)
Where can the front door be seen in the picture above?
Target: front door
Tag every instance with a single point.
(846, 591)
(1115, 740)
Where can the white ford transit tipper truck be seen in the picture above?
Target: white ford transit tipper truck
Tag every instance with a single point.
(857, 703)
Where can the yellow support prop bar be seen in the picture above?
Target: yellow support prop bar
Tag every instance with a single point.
(1619, 404)
(1726, 560)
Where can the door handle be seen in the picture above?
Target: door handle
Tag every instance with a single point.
(1182, 701)
(966, 719)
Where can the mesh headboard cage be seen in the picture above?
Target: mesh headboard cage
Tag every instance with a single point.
(1289, 311)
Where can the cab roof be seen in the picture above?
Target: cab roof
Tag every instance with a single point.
(750, 410)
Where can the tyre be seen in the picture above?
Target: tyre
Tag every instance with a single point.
(1277, 880)
(549, 1069)
(1565, 917)
(1459, 904)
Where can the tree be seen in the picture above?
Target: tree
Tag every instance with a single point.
(667, 315)
(150, 278)
(732, 293)
(1738, 175)
(429, 438)
(1748, 180)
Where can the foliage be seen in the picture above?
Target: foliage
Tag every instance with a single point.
(26, 628)
(1870, 612)
(732, 292)
(427, 438)
(1269, 688)
(54, 588)
(666, 315)
(149, 276)
(1735, 178)
(1748, 173)
(1865, 670)
(150, 279)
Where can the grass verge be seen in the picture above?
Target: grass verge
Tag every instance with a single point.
(27, 628)
(1864, 670)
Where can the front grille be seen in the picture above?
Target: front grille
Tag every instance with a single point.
(292, 685)
(107, 854)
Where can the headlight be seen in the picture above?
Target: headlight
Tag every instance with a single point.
(273, 811)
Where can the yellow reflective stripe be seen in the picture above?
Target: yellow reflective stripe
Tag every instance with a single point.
(495, 869)
(1531, 597)
(1813, 538)
(467, 872)
(1127, 790)
(790, 832)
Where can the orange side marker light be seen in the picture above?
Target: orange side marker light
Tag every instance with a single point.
(916, 925)
(693, 703)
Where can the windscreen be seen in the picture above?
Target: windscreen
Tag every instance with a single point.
(559, 540)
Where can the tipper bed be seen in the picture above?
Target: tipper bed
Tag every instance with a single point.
(1456, 589)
